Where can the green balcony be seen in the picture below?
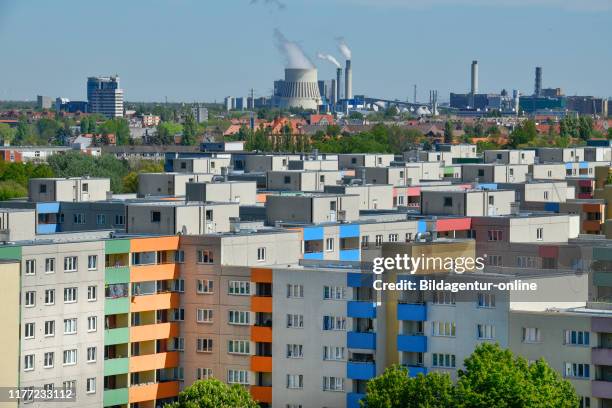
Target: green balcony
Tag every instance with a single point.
(114, 275)
(117, 246)
(117, 396)
(602, 279)
(116, 305)
(116, 336)
(115, 366)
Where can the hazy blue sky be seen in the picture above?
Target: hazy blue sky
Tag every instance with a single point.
(204, 50)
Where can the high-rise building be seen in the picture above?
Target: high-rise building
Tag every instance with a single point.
(105, 96)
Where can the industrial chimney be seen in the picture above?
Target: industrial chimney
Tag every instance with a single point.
(474, 83)
(538, 82)
(348, 81)
(338, 84)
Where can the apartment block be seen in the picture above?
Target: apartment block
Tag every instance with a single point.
(371, 196)
(169, 184)
(311, 208)
(560, 154)
(75, 189)
(355, 160)
(295, 180)
(467, 202)
(509, 156)
(495, 173)
(212, 164)
(539, 191)
(242, 192)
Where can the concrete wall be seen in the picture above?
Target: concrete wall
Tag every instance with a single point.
(242, 192)
(295, 180)
(10, 320)
(168, 184)
(548, 171)
(509, 156)
(353, 161)
(69, 189)
(17, 225)
(371, 196)
(467, 203)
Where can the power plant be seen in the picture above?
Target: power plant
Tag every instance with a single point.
(348, 81)
(299, 89)
(537, 91)
(338, 83)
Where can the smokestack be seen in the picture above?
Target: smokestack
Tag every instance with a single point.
(333, 92)
(538, 81)
(338, 84)
(474, 87)
(348, 81)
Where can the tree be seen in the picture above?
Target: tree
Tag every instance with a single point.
(610, 133)
(190, 130)
(24, 134)
(213, 393)
(523, 133)
(355, 115)
(165, 133)
(7, 134)
(585, 127)
(494, 377)
(448, 132)
(395, 389)
(118, 127)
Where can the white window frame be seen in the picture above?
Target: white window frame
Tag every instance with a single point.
(70, 263)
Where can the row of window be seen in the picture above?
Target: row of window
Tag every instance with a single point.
(70, 327)
(570, 337)
(484, 300)
(449, 329)
(70, 296)
(79, 218)
(90, 388)
(70, 264)
(69, 358)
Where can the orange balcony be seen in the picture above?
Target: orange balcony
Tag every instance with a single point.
(261, 304)
(155, 391)
(157, 301)
(591, 225)
(261, 334)
(261, 275)
(154, 331)
(144, 273)
(154, 361)
(154, 244)
(261, 394)
(261, 363)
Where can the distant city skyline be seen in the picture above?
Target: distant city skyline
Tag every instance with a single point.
(203, 51)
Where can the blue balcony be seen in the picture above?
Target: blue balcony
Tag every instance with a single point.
(47, 228)
(314, 255)
(360, 370)
(359, 280)
(352, 399)
(413, 371)
(359, 340)
(349, 231)
(313, 234)
(349, 255)
(409, 311)
(416, 344)
(48, 208)
(365, 309)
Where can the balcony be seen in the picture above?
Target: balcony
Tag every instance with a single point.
(602, 356)
(412, 343)
(116, 305)
(116, 336)
(364, 309)
(412, 311)
(601, 278)
(358, 280)
(261, 394)
(413, 371)
(118, 396)
(601, 324)
(261, 334)
(117, 274)
(352, 399)
(262, 304)
(601, 389)
(157, 301)
(350, 254)
(154, 361)
(261, 364)
(144, 273)
(360, 370)
(115, 366)
(154, 331)
(358, 340)
(314, 255)
(153, 391)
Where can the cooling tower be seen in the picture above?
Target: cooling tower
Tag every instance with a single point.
(300, 89)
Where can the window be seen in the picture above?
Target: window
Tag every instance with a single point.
(322, 178)
(92, 293)
(28, 362)
(204, 373)
(333, 353)
(70, 357)
(295, 381)
(495, 235)
(332, 206)
(69, 385)
(329, 244)
(204, 345)
(70, 264)
(443, 329)
(204, 316)
(30, 299)
(295, 351)
(531, 335)
(485, 331)
(379, 240)
(42, 188)
(49, 297)
(295, 291)
(92, 323)
(526, 261)
(177, 343)
(238, 377)
(91, 354)
(205, 286)
(205, 256)
(491, 200)
(546, 195)
(334, 292)
(178, 285)
(119, 219)
(295, 321)
(30, 267)
(365, 241)
(540, 234)
(448, 201)
(70, 295)
(443, 360)
(495, 260)
(486, 300)
(91, 385)
(334, 323)
(28, 331)
(239, 317)
(178, 315)
(85, 187)
(179, 256)
(50, 265)
(239, 347)
(287, 180)
(578, 370)
(577, 338)
(441, 297)
(480, 172)
(333, 383)
(585, 402)
(78, 218)
(92, 262)
(239, 288)
(101, 219)
(261, 254)
(393, 237)
(70, 326)
(49, 328)
(155, 216)
(48, 359)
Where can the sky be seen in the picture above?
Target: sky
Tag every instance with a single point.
(204, 50)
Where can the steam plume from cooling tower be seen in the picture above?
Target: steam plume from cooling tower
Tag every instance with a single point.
(344, 48)
(292, 52)
(329, 58)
